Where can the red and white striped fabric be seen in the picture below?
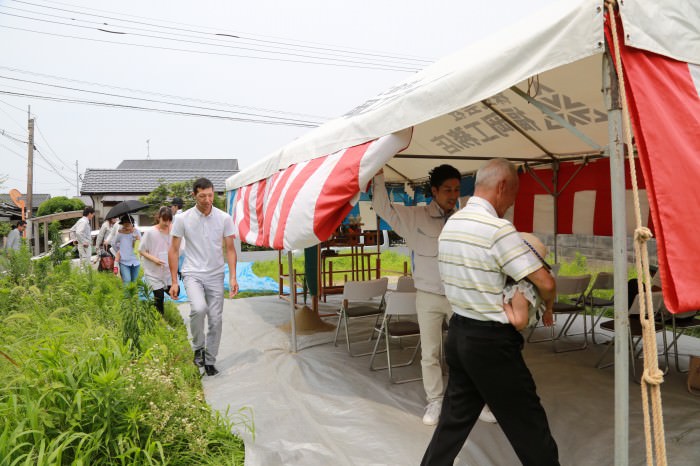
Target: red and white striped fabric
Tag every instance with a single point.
(664, 97)
(303, 204)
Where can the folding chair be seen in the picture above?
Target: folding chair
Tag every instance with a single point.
(405, 284)
(604, 281)
(397, 304)
(360, 299)
(573, 288)
(680, 323)
(635, 331)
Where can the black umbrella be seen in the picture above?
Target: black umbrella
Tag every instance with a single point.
(125, 207)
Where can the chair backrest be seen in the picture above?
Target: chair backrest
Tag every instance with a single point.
(405, 284)
(603, 281)
(400, 303)
(364, 290)
(572, 285)
(657, 301)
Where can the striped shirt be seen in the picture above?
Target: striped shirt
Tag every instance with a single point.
(477, 251)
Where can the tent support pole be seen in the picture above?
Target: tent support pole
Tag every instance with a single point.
(292, 300)
(619, 224)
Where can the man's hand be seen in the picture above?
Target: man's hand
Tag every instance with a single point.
(174, 290)
(548, 318)
(233, 287)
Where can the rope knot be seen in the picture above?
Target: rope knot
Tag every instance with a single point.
(653, 376)
(642, 234)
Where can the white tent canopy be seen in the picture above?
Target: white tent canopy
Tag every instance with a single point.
(474, 104)
(531, 93)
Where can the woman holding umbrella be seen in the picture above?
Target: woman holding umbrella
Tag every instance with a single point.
(124, 245)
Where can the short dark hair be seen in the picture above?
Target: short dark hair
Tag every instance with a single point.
(164, 213)
(21, 223)
(201, 184)
(177, 201)
(88, 210)
(442, 173)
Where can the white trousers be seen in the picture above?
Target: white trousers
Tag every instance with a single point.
(206, 296)
(84, 252)
(433, 309)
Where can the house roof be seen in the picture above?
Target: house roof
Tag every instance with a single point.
(36, 199)
(230, 165)
(110, 181)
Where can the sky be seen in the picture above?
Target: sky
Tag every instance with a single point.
(214, 79)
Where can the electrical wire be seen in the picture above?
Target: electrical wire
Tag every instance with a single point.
(158, 94)
(160, 110)
(233, 34)
(315, 123)
(174, 49)
(36, 126)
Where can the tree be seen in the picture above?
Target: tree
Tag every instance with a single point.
(165, 192)
(61, 204)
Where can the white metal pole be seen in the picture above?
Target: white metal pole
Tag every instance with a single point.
(292, 300)
(619, 224)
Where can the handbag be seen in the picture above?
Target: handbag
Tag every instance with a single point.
(106, 263)
(694, 375)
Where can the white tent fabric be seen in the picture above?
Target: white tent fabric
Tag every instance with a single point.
(459, 105)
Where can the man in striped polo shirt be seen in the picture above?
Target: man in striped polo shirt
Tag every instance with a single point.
(478, 249)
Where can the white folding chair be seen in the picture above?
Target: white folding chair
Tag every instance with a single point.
(635, 331)
(604, 281)
(397, 304)
(405, 284)
(360, 299)
(574, 288)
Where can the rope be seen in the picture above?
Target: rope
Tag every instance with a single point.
(652, 377)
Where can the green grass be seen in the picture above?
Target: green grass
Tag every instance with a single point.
(91, 375)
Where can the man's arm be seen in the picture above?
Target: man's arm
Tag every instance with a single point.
(545, 284)
(231, 259)
(394, 215)
(173, 257)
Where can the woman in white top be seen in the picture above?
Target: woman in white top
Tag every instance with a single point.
(154, 250)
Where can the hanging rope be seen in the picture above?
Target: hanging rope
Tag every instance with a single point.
(652, 377)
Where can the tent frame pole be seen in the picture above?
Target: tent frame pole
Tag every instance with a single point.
(619, 224)
(292, 300)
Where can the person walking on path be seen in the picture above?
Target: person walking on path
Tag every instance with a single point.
(420, 227)
(154, 249)
(478, 250)
(205, 228)
(83, 236)
(103, 234)
(124, 245)
(14, 238)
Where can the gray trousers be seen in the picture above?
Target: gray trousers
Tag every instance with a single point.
(206, 296)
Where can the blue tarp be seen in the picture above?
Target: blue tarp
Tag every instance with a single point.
(247, 281)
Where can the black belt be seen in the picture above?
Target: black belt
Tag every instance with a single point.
(479, 323)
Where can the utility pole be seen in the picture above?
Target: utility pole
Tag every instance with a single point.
(148, 149)
(30, 173)
(77, 180)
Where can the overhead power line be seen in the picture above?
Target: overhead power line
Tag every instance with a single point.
(209, 31)
(290, 120)
(159, 110)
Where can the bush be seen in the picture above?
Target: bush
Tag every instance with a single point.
(74, 391)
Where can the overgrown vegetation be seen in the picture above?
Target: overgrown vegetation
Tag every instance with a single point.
(92, 375)
(163, 194)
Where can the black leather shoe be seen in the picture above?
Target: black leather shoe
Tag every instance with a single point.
(210, 370)
(199, 357)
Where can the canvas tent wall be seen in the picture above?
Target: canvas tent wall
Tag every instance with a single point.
(531, 94)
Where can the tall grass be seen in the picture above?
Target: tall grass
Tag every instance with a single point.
(93, 376)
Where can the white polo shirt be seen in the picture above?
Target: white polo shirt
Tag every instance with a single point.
(204, 235)
(477, 251)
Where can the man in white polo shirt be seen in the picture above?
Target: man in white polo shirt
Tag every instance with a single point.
(478, 249)
(205, 228)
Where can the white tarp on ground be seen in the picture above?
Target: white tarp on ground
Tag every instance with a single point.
(322, 407)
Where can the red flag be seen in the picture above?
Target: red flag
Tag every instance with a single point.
(664, 101)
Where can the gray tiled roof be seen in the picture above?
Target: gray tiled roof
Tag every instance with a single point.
(105, 181)
(36, 198)
(180, 164)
